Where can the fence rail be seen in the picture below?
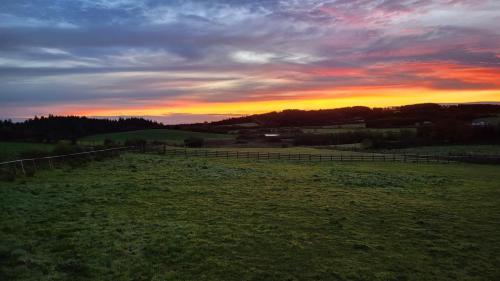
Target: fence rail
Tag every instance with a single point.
(373, 157)
(302, 156)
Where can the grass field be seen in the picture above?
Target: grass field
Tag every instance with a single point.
(156, 218)
(12, 150)
(290, 150)
(170, 136)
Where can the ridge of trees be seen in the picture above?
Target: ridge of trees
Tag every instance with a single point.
(54, 128)
(402, 116)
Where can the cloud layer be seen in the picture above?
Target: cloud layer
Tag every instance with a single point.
(147, 57)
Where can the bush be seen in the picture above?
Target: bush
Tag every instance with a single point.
(109, 142)
(194, 142)
(63, 148)
(32, 153)
(136, 142)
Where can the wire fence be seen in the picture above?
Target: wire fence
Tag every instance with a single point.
(29, 166)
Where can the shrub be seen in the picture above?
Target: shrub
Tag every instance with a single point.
(32, 153)
(135, 142)
(194, 142)
(109, 142)
(63, 148)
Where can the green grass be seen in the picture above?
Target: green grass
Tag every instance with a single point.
(451, 149)
(147, 217)
(12, 150)
(290, 150)
(171, 136)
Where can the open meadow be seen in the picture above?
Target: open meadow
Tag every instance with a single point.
(161, 218)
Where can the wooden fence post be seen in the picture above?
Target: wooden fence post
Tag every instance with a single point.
(22, 168)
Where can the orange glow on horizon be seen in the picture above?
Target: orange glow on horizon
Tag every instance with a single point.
(363, 96)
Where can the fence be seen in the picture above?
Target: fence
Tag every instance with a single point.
(302, 156)
(33, 164)
(360, 157)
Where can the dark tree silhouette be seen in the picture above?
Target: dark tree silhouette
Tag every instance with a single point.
(54, 128)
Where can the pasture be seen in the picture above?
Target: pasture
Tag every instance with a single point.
(285, 150)
(161, 218)
(164, 135)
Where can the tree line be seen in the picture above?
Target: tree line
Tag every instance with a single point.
(390, 117)
(52, 129)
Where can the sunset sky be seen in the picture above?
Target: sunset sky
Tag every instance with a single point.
(187, 61)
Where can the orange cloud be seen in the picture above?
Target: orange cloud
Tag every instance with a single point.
(368, 96)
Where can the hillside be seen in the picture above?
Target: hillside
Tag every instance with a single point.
(407, 115)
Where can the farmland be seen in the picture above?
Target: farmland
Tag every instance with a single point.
(160, 218)
(164, 135)
(287, 150)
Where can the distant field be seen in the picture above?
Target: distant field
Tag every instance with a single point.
(451, 149)
(152, 217)
(347, 130)
(11, 150)
(291, 150)
(171, 136)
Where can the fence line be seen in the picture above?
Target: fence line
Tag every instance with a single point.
(49, 159)
(302, 156)
(411, 158)
(374, 157)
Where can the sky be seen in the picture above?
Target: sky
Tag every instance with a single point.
(190, 61)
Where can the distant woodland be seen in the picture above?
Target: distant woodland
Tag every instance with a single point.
(430, 123)
(54, 128)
